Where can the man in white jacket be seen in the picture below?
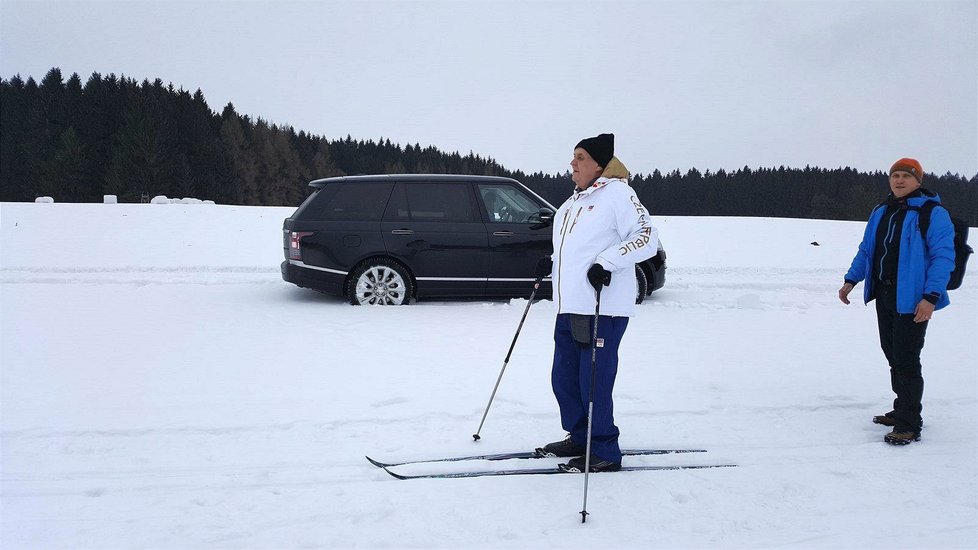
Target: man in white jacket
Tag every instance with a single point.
(600, 233)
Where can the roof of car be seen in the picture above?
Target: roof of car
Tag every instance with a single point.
(431, 178)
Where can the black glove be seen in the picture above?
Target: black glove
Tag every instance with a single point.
(598, 276)
(544, 267)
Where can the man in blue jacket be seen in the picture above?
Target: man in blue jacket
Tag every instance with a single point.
(906, 272)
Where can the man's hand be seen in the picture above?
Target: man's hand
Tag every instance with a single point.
(544, 267)
(924, 311)
(844, 293)
(598, 276)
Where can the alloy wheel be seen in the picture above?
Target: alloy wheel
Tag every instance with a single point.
(380, 285)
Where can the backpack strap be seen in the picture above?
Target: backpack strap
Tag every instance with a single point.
(923, 216)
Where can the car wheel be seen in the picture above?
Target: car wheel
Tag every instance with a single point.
(379, 282)
(641, 284)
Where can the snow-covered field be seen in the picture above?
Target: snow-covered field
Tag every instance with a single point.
(162, 387)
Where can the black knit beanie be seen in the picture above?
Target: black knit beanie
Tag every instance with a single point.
(601, 148)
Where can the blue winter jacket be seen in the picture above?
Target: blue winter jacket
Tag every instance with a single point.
(923, 267)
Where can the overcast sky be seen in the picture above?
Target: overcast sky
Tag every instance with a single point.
(681, 84)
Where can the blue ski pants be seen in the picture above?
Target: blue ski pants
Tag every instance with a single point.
(571, 379)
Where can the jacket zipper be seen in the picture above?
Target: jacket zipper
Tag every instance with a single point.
(575, 221)
(886, 241)
(560, 254)
(564, 222)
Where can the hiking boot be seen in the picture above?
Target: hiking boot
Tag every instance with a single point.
(888, 420)
(597, 465)
(565, 447)
(901, 438)
(885, 420)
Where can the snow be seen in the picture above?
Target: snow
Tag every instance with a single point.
(162, 387)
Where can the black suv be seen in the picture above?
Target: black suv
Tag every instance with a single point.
(385, 239)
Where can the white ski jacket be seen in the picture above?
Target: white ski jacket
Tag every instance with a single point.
(604, 224)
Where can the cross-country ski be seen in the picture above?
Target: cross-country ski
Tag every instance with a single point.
(524, 455)
(548, 471)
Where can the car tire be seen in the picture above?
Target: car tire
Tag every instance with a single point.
(641, 284)
(380, 281)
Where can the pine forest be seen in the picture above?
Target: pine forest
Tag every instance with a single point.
(78, 141)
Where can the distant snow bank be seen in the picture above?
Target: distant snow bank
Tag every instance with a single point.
(140, 236)
(162, 199)
(158, 199)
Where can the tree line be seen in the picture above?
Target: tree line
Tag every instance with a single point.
(112, 135)
(810, 192)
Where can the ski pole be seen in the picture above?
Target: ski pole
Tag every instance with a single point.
(590, 400)
(536, 285)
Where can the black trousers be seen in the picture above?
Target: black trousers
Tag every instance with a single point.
(902, 341)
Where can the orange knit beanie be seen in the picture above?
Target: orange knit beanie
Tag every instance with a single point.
(910, 166)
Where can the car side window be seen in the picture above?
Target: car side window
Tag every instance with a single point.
(397, 208)
(507, 204)
(434, 202)
(355, 201)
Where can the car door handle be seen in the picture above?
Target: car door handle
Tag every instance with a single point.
(503, 233)
(402, 232)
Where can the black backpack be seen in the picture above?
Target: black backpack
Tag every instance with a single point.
(961, 248)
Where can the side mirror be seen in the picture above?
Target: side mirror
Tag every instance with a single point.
(542, 218)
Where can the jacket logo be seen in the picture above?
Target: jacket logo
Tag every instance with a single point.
(637, 243)
(646, 229)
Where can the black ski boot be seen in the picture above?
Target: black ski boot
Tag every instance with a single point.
(597, 465)
(565, 447)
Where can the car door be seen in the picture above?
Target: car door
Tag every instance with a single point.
(435, 229)
(517, 240)
(341, 225)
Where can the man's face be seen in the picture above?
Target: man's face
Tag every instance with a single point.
(585, 169)
(903, 183)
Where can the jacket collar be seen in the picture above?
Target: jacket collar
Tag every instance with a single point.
(598, 183)
(917, 198)
(903, 200)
